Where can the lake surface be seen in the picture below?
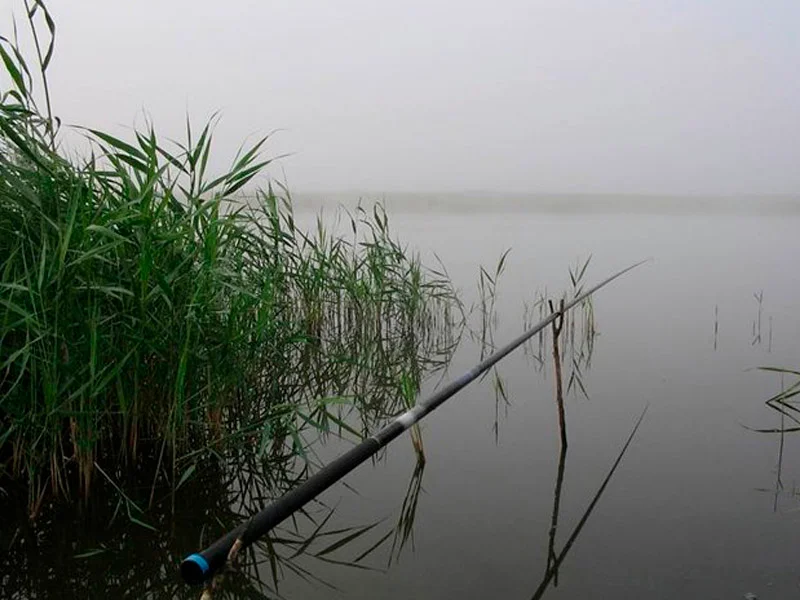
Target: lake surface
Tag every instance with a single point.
(696, 509)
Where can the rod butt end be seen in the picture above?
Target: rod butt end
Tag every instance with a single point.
(194, 569)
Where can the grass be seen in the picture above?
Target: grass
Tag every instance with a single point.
(145, 304)
(580, 329)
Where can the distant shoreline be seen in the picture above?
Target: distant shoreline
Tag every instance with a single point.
(553, 203)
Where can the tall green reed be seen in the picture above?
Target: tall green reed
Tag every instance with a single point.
(146, 301)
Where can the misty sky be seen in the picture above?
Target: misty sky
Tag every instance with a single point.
(675, 97)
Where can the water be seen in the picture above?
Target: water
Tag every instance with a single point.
(695, 510)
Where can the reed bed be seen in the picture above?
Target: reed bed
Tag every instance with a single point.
(146, 302)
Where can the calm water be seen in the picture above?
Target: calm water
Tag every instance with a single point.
(694, 511)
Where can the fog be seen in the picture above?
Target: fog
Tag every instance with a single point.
(677, 97)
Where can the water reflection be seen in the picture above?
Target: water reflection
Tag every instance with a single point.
(786, 406)
(127, 543)
(554, 558)
(779, 470)
(557, 328)
(404, 530)
(77, 552)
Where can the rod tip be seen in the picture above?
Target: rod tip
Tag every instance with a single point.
(194, 569)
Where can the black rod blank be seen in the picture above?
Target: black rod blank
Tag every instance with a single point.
(200, 567)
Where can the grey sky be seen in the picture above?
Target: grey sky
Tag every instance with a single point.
(528, 96)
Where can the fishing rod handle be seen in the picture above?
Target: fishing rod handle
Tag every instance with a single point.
(202, 566)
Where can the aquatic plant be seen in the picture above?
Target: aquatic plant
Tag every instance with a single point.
(580, 329)
(146, 303)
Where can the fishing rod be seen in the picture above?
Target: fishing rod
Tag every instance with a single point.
(200, 567)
